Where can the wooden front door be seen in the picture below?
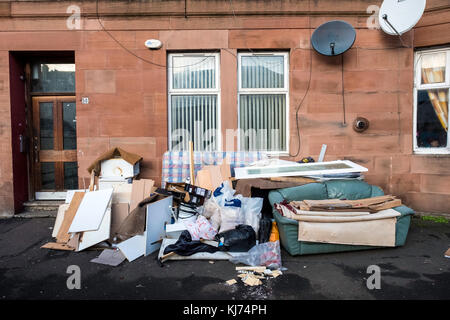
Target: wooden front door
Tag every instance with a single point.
(54, 144)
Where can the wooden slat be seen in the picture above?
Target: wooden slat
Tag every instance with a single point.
(63, 235)
(58, 156)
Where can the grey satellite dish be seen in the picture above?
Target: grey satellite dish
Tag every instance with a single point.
(399, 16)
(333, 38)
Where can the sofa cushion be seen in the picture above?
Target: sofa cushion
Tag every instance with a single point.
(350, 190)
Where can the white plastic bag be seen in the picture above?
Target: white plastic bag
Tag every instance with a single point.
(223, 193)
(252, 210)
(231, 215)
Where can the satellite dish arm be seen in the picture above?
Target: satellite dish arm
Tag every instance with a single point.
(385, 17)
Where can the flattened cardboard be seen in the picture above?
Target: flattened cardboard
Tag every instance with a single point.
(140, 190)
(215, 176)
(63, 236)
(90, 213)
(119, 212)
(110, 257)
(366, 233)
(74, 241)
(203, 180)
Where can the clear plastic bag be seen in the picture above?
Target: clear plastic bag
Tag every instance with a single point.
(252, 210)
(201, 229)
(266, 254)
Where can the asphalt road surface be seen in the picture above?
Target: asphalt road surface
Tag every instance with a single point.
(417, 270)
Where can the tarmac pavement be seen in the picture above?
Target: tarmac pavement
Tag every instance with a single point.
(417, 270)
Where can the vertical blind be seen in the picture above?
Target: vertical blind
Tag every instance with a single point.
(194, 117)
(194, 113)
(262, 115)
(262, 122)
(262, 72)
(193, 72)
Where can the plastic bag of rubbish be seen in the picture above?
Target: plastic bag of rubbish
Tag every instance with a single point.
(266, 254)
(185, 246)
(231, 215)
(252, 212)
(240, 239)
(222, 193)
(265, 228)
(201, 229)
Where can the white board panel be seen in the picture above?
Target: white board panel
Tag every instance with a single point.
(159, 214)
(90, 238)
(91, 211)
(305, 169)
(133, 248)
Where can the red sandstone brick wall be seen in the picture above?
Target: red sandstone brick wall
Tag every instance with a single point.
(128, 97)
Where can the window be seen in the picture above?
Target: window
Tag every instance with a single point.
(263, 101)
(46, 77)
(431, 93)
(194, 101)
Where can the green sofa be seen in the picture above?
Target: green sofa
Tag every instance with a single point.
(336, 189)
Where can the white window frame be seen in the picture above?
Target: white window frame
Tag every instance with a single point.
(188, 92)
(285, 91)
(418, 86)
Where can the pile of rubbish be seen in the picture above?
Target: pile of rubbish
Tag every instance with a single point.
(129, 218)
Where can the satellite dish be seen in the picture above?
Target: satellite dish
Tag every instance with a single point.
(399, 16)
(333, 38)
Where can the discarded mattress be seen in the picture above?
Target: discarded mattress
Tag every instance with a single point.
(338, 189)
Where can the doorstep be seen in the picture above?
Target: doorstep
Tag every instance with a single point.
(40, 209)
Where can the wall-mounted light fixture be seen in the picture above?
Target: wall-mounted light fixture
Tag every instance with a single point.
(153, 44)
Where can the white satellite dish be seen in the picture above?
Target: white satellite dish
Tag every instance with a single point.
(399, 16)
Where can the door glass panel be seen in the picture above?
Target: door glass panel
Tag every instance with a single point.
(46, 125)
(69, 126)
(48, 175)
(47, 77)
(70, 175)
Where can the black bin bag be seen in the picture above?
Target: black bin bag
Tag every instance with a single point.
(186, 247)
(240, 239)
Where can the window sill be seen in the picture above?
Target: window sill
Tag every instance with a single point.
(432, 153)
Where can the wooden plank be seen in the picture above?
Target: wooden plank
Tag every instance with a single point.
(293, 179)
(63, 235)
(58, 156)
(57, 246)
(191, 162)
